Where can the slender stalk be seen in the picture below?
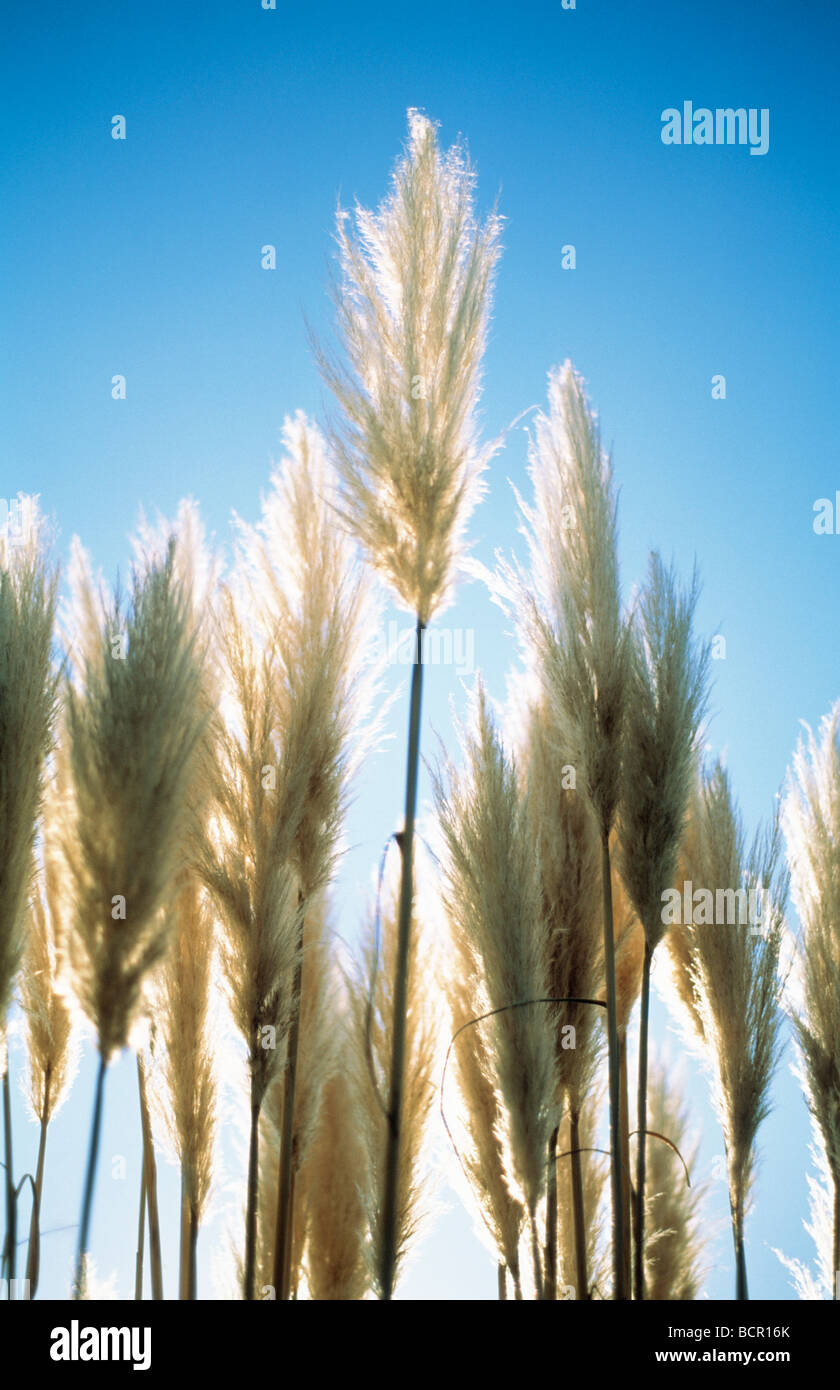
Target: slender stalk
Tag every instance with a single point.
(90, 1179)
(501, 1275)
(192, 1264)
(641, 1152)
(581, 1270)
(285, 1188)
(621, 1288)
(741, 1293)
(155, 1257)
(188, 1271)
(33, 1254)
(184, 1250)
(550, 1290)
(392, 1158)
(624, 1117)
(11, 1199)
(141, 1238)
(251, 1208)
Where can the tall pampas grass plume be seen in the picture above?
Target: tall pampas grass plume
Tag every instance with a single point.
(134, 723)
(28, 689)
(413, 309)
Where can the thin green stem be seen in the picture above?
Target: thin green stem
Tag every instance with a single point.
(150, 1164)
(550, 1289)
(395, 1105)
(33, 1254)
(192, 1264)
(581, 1270)
(621, 1290)
(90, 1180)
(624, 1119)
(184, 1247)
(11, 1198)
(285, 1185)
(741, 1292)
(641, 1151)
(249, 1281)
(188, 1273)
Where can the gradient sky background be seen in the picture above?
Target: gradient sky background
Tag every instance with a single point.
(244, 126)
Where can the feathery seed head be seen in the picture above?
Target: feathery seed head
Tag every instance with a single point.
(570, 609)
(412, 314)
(134, 723)
(27, 702)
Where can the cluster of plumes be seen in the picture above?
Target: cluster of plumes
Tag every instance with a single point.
(28, 688)
(413, 311)
(292, 653)
(727, 974)
(674, 1250)
(341, 1122)
(811, 823)
(492, 896)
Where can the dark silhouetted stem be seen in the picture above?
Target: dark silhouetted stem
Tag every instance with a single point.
(550, 1288)
(621, 1289)
(285, 1188)
(395, 1103)
(253, 1188)
(641, 1152)
(150, 1165)
(10, 1248)
(33, 1254)
(90, 1180)
(581, 1271)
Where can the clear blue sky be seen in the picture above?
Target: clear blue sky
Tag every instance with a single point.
(244, 126)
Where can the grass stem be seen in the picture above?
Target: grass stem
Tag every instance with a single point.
(390, 1213)
(150, 1166)
(620, 1286)
(285, 1188)
(33, 1254)
(10, 1248)
(581, 1270)
(79, 1283)
(641, 1121)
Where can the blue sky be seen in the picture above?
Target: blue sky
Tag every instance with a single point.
(244, 127)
